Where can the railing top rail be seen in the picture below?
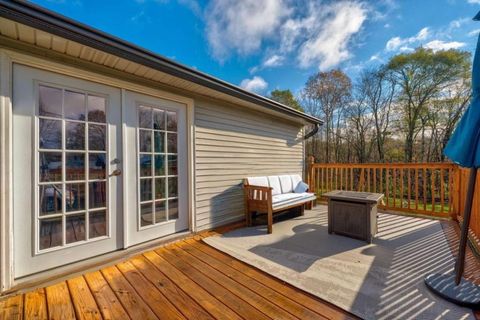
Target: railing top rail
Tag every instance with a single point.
(432, 165)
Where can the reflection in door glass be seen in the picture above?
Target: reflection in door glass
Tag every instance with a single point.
(50, 166)
(74, 107)
(75, 228)
(50, 198)
(97, 137)
(50, 134)
(75, 196)
(97, 166)
(75, 166)
(51, 234)
(72, 165)
(75, 132)
(96, 109)
(158, 188)
(146, 214)
(50, 101)
(97, 224)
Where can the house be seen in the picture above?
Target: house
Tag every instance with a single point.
(107, 148)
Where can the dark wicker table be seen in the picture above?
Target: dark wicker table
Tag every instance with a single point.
(353, 214)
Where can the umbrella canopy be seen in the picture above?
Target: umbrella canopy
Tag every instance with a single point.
(463, 147)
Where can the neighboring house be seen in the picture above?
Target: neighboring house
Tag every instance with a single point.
(106, 146)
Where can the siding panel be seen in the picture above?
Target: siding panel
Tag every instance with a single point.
(232, 143)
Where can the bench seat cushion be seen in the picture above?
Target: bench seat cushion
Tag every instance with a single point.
(289, 199)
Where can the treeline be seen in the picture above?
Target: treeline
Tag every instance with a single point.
(402, 111)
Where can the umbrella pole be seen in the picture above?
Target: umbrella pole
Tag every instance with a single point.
(453, 287)
(460, 263)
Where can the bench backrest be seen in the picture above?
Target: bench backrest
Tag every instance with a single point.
(279, 184)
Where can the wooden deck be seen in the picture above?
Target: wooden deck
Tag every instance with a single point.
(184, 280)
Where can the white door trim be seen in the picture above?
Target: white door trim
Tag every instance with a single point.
(7, 58)
(6, 194)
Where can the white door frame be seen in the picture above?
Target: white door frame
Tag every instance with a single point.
(7, 58)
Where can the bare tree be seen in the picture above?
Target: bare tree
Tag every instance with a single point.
(328, 92)
(379, 87)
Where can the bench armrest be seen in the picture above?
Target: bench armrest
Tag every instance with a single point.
(257, 192)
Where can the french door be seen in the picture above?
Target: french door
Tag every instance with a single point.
(157, 186)
(66, 170)
(88, 176)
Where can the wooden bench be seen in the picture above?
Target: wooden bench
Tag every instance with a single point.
(274, 194)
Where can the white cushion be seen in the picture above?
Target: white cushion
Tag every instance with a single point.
(258, 181)
(274, 183)
(301, 187)
(286, 183)
(289, 199)
(296, 179)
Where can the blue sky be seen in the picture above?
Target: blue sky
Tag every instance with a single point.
(278, 44)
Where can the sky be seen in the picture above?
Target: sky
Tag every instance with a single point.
(263, 45)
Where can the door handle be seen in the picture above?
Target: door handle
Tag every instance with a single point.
(116, 172)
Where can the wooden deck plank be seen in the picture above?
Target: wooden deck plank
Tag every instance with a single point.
(295, 294)
(131, 301)
(186, 305)
(12, 308)
(243, 304)
(270, 302)
(107, 301)
(36, 305)
(159, 304)
(199, 294)
(83, 301)
(59, 303)
(270, 295)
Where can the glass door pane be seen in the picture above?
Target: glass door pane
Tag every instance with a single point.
(73, 159)
(157, 162)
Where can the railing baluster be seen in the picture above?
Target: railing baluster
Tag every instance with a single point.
(381, 180)
(394, 173)
(402, 193)
(442, 192)
(416, 189)
(341, 178)
(432, 192)
(450, 188)
(424, 189)
(409, 191)
(387, 187)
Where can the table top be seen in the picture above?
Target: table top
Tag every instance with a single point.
(367, 197)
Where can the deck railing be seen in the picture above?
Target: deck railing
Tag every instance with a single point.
(420, 188)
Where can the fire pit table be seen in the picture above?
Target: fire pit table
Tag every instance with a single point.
(353, 214)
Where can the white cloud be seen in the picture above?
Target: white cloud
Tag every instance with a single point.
(474, 33)
(474, 1)
(396, 43)
(437, 45)
(273, 61)
(323, 34)
(313, 32)
(256, 84)
(242, 26)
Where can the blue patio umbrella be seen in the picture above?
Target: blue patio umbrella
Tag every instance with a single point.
(463, 148)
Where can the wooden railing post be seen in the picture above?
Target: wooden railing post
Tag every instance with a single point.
(310, 174)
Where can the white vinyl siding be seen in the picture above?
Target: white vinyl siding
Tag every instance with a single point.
(232, 143)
